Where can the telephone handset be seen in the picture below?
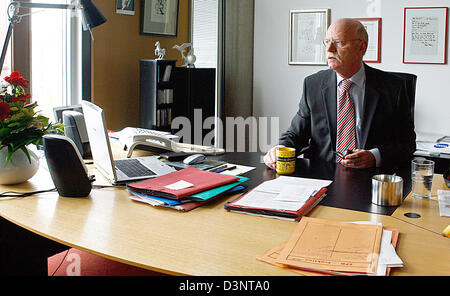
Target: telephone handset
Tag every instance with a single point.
(133, 137)
(163, 143)
(150, 141)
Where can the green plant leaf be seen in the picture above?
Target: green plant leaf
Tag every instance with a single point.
(25, 150)
(4, 131)
(10, 153)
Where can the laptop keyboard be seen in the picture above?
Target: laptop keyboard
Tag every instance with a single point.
(132, 168)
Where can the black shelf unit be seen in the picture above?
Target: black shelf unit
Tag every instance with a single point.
(164, 97)
(194, 88)
(156, 93)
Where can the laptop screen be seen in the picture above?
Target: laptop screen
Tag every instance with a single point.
(98, 139)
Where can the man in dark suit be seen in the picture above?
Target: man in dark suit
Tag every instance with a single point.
(382, 127)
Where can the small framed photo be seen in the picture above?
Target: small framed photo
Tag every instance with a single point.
(425, 35)
(159, 17)
(307, 30)
(373, 28)
(125, 7)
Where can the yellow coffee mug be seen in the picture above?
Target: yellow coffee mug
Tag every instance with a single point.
(285, 160)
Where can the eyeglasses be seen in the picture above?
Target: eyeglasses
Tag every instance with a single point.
(337, 43)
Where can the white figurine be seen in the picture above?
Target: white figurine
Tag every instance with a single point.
(190, 59)
(160, 52)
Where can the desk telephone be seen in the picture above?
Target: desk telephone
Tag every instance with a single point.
(132, 137)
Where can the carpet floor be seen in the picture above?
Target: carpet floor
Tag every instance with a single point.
(74, 262)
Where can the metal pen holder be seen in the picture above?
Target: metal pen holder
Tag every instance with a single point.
(387, 190)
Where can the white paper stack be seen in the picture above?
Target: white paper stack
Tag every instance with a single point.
(388, 255)
(444, 202)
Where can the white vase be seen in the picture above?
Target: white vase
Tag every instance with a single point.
(19, 168)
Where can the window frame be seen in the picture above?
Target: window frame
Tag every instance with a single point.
(21, 55)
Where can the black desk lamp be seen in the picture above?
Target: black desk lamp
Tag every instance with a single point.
(92, 17)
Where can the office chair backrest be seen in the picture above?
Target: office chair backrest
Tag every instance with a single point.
(410, 82)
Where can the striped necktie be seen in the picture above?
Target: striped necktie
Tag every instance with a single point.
(346, 127)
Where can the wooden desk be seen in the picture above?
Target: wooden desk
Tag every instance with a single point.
(205, 241)
(428, 210)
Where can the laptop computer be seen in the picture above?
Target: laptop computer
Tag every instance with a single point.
(119, 170)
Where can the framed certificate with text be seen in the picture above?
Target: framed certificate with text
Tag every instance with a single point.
(373, 29)
(425, 35)
(307, 31)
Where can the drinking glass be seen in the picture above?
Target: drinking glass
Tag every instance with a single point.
(422, 171)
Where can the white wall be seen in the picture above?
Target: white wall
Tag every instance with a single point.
(278, 86)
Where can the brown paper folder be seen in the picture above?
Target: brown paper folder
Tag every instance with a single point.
(332, 246)
(271, 257)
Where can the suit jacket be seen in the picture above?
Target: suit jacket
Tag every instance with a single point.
(386, 123)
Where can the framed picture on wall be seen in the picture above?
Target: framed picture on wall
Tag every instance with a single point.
(425, 35)
(307, 31)
(125, 7)
(159, 17)
(373, 28)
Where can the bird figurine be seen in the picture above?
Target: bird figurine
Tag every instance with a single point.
(188, 59)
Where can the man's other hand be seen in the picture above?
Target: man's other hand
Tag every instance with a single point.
(359, 159)
(270, 159)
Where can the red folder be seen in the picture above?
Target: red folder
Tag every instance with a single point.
(202, 180)
(285, 214)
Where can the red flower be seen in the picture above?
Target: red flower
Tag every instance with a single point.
(5, 110)
(15, 78)
(22, 98)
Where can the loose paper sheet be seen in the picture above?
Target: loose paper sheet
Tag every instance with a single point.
(444, 202)
(320, 244)
(295, 193)
(239, 170)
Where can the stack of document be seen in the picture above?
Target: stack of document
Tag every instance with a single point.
(433, 148)
(326, 247)
(284, 198)
(185, 189)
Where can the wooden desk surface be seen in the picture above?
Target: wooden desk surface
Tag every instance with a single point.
(205, 241)
(428, 210)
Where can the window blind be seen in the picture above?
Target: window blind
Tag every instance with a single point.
(204, 32)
